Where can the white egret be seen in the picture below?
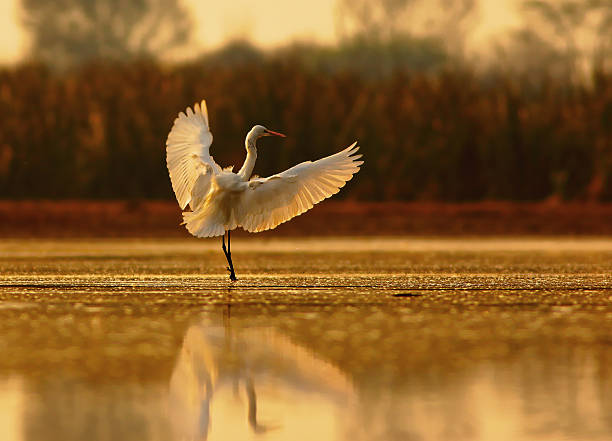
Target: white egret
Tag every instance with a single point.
(221, 200)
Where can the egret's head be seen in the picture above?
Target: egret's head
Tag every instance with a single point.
(259, 131)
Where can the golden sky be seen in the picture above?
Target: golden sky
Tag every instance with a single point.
(267, 23)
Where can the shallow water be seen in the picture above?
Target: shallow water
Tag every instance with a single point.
(326, 339)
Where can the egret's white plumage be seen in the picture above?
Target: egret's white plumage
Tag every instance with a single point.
(189, 162)
(222, 200)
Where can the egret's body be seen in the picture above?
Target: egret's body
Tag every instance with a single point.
(221, 200)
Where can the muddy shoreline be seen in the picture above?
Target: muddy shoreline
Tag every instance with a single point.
(83, 218)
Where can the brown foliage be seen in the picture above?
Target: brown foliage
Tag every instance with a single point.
(162, 219)
(99, 131)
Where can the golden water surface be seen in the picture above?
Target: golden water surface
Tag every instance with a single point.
(320, 339)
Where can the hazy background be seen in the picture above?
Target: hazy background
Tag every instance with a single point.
(451, 100)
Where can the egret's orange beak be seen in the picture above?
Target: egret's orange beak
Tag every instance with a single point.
(270, 132)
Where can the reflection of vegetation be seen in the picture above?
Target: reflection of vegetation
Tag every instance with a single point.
(66, 32)
(99, 131)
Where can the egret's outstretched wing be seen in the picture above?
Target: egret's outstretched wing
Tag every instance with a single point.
(268, 202)
(187, 155)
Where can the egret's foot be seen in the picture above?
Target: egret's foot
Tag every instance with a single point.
(232, 273)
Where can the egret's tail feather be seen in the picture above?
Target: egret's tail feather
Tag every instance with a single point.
(203, 223)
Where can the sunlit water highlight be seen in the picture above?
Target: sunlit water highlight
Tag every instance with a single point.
(326, 339)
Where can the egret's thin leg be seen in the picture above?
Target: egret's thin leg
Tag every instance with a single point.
(224, 249)
(228, 256)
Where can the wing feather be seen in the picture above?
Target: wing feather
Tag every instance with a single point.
(188, 156)
(268, 202)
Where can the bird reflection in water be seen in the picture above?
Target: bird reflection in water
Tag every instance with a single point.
(229, 373)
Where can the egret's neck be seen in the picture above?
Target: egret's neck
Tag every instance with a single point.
(249, 163)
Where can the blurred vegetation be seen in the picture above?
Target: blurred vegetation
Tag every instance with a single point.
(567, 38)
(99, 131)
(431, 126)
(385, 21)
(66, 33)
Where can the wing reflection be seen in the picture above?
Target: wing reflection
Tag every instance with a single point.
(254, 380)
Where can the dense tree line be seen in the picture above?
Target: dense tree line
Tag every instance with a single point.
(98, 131)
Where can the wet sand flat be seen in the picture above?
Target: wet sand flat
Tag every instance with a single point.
(323, 338)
